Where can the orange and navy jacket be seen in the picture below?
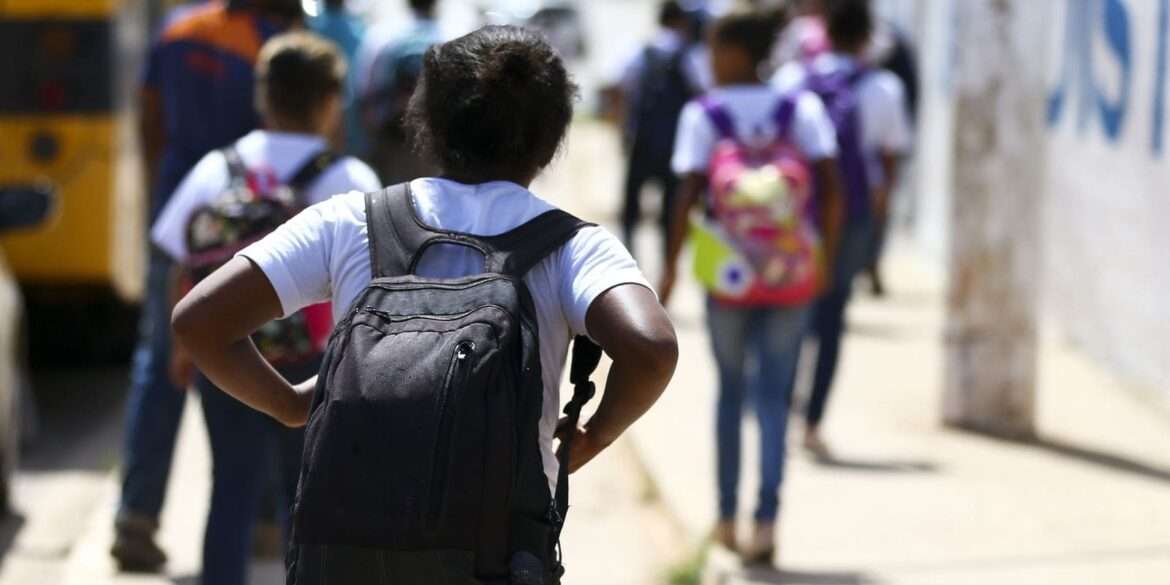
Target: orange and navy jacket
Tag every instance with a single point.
(202, 68)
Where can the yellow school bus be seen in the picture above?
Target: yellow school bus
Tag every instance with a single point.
(66, 122)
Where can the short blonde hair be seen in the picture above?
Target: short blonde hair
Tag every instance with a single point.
(296, 73)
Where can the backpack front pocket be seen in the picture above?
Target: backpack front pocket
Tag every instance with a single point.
(399, 448)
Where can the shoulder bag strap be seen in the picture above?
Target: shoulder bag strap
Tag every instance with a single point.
(237, 170)
(312, 169)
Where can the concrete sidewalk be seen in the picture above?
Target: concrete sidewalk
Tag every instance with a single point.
(905, 500)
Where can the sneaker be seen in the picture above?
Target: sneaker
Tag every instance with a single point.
(724, 535)
(763, 546)
(134, 548)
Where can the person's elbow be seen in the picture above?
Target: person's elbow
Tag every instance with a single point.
(654, 350)
(189, 323)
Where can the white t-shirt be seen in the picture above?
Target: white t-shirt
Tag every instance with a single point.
(881, 97)
(323, 254)
(752, 109)
(270, 157)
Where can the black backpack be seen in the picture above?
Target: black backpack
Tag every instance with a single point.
(663, 90)
(241, 216)
(422, 464)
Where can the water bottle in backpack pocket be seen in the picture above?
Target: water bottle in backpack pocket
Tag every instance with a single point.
(756, 242)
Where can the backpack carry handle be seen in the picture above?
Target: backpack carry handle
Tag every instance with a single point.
(399, 239)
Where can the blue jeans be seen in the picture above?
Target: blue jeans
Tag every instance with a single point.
(247, 448)
(770, 339)
(155, 406)
(829, 315)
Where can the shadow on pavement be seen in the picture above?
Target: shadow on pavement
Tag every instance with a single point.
(186, 580)
(1085, 454)
(768, 575)
(835, 461)
(1111, 461)
(10, 526)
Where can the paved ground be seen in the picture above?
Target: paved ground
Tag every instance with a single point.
(906, 501)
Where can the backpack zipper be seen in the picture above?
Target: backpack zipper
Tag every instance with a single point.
(456, 375)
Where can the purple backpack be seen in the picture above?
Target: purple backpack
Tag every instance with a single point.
(838, 90)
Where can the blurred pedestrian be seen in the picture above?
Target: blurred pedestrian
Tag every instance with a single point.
(804, 38)
(337, 23)
(760, 165)
(432, 458)
(655, 86)
(300, 79)
(196, 96)
(892, 51)
(387, 71)
(869, 112)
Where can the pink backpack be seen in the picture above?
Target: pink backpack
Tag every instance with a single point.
(758, 244)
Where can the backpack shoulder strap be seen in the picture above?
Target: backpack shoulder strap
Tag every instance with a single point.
(515, 252)
(395, 233)
(312, 169)
(785, 114)
(719, 116)
(237, 170)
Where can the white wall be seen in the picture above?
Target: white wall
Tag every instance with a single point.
(1107, 210)
(1106, 203)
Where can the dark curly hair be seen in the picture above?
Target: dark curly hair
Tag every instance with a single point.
(849, 22)
(493, 103)
(753, 30)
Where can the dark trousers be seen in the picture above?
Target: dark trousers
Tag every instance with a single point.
(829, 315)
(154, 406)
(247, 448)
(641, 172)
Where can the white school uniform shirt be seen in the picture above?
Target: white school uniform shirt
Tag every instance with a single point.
(269, 156)
(323, 254)
(881, 105)
(753, 111)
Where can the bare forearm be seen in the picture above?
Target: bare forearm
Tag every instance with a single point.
(214, 322)
(632, 327)
(240, 370)
(630, 390)
(689, 193)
